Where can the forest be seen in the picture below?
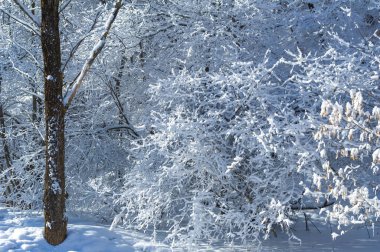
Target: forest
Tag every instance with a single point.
(194, 122)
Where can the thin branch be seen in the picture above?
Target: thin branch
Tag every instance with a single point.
(119, 106)
(27, 12)
(100, 130)
(308, 218)
(25, 24)
(369, 131)
(75, 48)
(12, 117)
(118, 127)
(155, 32)
(39, 96)
(93, 55)
(37, 63)
(64, 6)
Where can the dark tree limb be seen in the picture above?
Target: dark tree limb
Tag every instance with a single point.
(311, 207)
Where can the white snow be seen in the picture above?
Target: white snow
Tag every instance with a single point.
(22, 231)
(48, 225)
(50, 78)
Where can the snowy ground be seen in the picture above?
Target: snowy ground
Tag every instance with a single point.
(318, 238)
(22, 231)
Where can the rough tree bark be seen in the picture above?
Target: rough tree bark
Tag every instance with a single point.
(54, 188)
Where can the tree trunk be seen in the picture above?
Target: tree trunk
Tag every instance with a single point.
(37, 107)
(7, 155)
(54, 188)
(36, 102)
(118, 86)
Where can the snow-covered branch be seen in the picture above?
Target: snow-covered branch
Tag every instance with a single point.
(70, 94)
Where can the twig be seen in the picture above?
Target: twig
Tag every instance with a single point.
(315, 226)
(119, 106)
(27, 12)
(64, 6)
(25, 24)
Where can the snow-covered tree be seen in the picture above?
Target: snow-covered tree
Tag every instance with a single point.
(56, 101)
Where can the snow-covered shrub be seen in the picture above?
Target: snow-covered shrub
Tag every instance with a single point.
(231, 152)
(347, 176)
(221, 157)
